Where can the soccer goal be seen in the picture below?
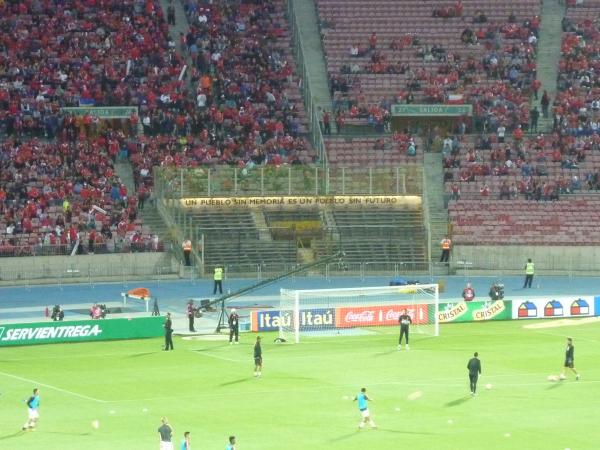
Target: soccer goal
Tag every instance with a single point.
(321, 312)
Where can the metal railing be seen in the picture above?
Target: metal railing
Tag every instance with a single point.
(171, 182)
(59, 273)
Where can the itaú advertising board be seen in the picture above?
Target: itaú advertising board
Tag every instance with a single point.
(552, 307)
(310, 319)
(379, 315)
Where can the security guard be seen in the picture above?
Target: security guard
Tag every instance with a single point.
(446, 245)
(218, 278)
(187, 250)
(529, 272)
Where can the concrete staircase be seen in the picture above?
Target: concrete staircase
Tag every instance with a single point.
(310, 35)
(548, 55)
(436, 210)
(181, 26)
(125, 172)
(261, 224)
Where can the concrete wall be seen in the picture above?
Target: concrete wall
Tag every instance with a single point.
(511, 259)
(85, 268)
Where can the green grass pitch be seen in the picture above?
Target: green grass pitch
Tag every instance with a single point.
(304, 399)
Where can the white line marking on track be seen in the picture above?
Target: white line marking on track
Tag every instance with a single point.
(49, 386)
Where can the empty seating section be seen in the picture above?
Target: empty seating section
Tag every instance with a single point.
(380, 235)
(520, 222)
(232, 238)
(373, 152)
(217, 224)
(240, 255)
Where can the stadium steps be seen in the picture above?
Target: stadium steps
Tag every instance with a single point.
(310, 35)
(548, 55)
(261, 224)
(437, 213)
(181, 26)
(124, 170)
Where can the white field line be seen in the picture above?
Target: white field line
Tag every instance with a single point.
(223, 358)
(55, 388)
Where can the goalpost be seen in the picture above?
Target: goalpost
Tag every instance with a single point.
(328, 312)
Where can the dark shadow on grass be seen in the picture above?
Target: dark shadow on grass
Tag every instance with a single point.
(229, 383)
(386, 353)
(65, 433)
(419, 433)
(343, 437)
(554, 386)
(137, 355)
(10, 436)
(458, 401)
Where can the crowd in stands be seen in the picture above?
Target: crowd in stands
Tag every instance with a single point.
(543, 167)
(577, 106)
(64, 197)
(108, 53)
(487, 60)
(237, 103)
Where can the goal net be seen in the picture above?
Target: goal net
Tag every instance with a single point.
(322, 312)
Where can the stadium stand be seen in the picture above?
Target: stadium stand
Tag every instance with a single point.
(486, 51)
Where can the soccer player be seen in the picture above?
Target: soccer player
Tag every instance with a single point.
(165, 433)
(474, 367)
(231, 445)
(404, 320)
(569, 360)
(185, 442)
(33, 409)
(362, 399)
(234, 327)
(257, 358)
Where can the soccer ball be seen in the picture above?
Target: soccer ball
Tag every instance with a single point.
(95, 424)
(552, 378)
(488, 386)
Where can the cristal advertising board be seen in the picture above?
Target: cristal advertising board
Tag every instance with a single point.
(314, 319)
(552, 307)
(475, 311)
(80, 331)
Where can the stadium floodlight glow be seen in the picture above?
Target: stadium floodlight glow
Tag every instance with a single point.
(328, 312)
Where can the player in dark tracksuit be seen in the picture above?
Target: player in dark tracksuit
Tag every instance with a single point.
(168, 326)
(257, 358)
(474, 366)
(234, 327)
(404, 320)
(569, 360)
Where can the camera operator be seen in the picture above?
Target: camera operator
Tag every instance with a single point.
(496, 291)
(57, 313)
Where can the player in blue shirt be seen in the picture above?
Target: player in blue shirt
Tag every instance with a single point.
(362, 399)
(231, 445)
(185, 442)
(33, 407)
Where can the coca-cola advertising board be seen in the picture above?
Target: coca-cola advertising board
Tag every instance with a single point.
(379, 315)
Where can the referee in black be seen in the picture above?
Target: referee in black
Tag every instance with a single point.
(474, 367)
(404, 320)
(168, 326)
(569, 360)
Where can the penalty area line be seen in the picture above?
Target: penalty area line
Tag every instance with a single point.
(55, 388)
